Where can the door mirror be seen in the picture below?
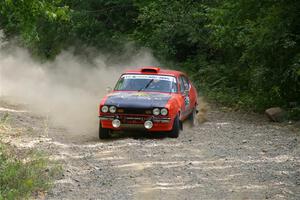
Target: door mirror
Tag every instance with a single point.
(108, 89)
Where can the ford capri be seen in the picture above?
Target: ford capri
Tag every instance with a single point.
(149, 99)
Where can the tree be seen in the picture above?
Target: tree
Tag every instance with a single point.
(260, 40)
(29, 18)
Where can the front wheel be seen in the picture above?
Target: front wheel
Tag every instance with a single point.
(103, 132)
(174, 133)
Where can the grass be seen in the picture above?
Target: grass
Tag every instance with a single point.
(24, 174)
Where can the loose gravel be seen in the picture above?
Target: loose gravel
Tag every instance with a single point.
(231, 156)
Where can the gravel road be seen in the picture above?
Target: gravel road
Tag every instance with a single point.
(231, 156)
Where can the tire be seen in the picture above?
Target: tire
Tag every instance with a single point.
(193, 118)
(174, 133)
(104, 133)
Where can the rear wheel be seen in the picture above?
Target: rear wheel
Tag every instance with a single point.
(174, 133)
(104, 133)
(193, 118)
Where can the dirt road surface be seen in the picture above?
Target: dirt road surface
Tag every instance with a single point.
(231, 156)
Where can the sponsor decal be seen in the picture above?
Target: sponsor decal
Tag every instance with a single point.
(187, 101)
(155, 77)
(141, 94)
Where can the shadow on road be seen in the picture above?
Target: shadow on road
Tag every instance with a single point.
(137, 135)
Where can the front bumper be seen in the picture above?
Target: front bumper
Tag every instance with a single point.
(137, 122)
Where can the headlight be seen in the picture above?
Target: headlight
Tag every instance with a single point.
(156, 111)
(104, 109)
(112, 109)
(164, 111)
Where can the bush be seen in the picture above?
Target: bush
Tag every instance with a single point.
(24, 175)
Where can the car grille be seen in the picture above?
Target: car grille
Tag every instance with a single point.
(134, 111)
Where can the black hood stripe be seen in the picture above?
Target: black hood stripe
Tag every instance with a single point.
(138, 99)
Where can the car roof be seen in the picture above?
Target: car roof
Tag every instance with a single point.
(154, 70)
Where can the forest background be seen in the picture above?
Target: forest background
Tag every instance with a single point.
(241, 53)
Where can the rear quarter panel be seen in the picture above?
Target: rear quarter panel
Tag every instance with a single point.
(193, 96)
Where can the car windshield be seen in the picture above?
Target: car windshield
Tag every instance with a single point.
(151, 83)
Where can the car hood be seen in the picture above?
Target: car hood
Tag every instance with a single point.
(137, 99)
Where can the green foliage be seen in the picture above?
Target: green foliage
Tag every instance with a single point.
(4, 118)
(30, 19)
(294, 113)
(21, 176)
(260, 39)
(244, 53)
(173, 30)
(101, 23)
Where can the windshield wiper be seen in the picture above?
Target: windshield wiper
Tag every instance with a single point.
(146, 86)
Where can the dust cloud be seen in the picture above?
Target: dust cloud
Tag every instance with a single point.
(68, 90)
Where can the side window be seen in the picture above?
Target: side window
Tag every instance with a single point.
(186, 83)
(181, 84)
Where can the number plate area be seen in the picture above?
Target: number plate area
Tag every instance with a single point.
(133, 119)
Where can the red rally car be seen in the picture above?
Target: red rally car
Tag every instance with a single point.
(150, 99)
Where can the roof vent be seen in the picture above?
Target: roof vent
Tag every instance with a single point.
(150, 69)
